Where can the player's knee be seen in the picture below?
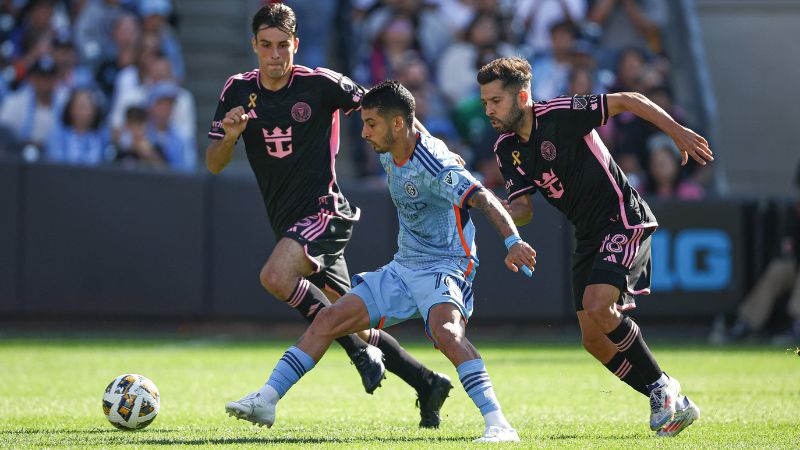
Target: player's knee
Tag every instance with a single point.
(596, 307)
(274, 283)
(447, 335)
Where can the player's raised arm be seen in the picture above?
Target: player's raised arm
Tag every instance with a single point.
(689, 142)
(519, 252)
(220, 152)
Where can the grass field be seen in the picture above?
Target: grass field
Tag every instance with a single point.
(555, 395)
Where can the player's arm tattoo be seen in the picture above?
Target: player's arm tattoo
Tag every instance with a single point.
(491, 207)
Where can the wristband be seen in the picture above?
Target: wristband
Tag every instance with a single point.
(510, 241)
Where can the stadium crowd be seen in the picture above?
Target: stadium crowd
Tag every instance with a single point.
(94, 82)
(99, 81)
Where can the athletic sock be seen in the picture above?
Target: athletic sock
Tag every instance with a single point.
(623, 370)
(291, 367)
(478, 385)
(308, 299)
(398, 361)
(631, 345)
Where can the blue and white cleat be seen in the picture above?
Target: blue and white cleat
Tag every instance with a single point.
(686, 412)
(662, 403)
(498, 434)
(253, 408)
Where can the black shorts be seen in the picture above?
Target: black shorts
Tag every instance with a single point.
(324, 236)
(618, 257)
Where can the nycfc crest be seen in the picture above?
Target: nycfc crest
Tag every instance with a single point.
(411, 190)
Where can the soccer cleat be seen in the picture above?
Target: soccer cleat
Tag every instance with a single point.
(431, 400)
(369, 362)
(498, 434)
(686, 412)
(662, 403)
(253, 408)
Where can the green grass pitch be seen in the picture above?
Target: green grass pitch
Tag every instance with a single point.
(554, 394)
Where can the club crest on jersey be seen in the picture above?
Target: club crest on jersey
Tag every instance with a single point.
(301, 112)
(279, 143)
(410, 189)
(548, 150)
(451, 179)
(579, 103)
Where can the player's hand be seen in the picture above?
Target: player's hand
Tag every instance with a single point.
(459, 160)
(519, 255)
(692, 144)
(234, 122)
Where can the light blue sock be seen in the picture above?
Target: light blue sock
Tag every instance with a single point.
(291, 367)
(478, 385)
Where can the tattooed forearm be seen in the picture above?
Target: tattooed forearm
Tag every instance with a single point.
(491, 207)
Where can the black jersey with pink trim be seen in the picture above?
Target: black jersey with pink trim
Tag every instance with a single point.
(292, 138)
(566, 161)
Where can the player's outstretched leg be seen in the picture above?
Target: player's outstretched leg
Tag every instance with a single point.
(447, 326)
(598, 302)
(282, 276)
(432, 388)
(347, 316)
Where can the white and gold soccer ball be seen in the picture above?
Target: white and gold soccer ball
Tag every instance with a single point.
(131, 402)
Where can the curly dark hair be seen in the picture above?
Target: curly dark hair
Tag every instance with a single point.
(513, 72)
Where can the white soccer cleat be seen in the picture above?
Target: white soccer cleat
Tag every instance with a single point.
(498, 434)
(253, 408)
(686, 412)
(662, 403)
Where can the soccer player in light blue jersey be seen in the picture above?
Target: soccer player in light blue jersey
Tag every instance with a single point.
(432, 271)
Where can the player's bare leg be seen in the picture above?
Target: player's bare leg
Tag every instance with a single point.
(345, 317)
(599, 305)
(448, 329)
(283, 275)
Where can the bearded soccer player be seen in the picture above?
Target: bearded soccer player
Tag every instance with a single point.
(288, 116)
(552, 147)
(431, 274)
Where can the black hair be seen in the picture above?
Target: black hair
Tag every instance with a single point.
(66, 114)
(275, 15)
(513, 72)
(391, 98)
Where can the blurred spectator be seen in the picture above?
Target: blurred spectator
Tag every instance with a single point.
(580, 81)
(318, 19)
(781, 276)
(389, 48)
(30, 110)
(535, 19)
(134, 147)
(70, 72)
(133, 92)
(553, 66)
(96, 25)
(127, 45)
(154, 15)
(77, 137)
(480, 44)
(630, 23)
(178, 151)
(665, 181)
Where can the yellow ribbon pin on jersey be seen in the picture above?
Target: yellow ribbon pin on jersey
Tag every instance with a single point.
(252, 103)
(515, 155)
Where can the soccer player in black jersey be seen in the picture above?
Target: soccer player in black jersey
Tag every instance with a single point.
(551, 147)
(288, 116)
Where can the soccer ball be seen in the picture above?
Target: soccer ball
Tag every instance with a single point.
(131, 402)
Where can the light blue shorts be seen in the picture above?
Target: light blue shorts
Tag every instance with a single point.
(395, 293)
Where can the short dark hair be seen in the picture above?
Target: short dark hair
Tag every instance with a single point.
(275, 15)
(391, 98)
(513, 72)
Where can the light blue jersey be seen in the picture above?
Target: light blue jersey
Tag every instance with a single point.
(430, 191)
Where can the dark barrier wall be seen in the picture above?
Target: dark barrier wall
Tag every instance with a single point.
(148, 244)
(104, 241)
(502, 294)
(10, 181)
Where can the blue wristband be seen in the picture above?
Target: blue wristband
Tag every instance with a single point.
(510, 241)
